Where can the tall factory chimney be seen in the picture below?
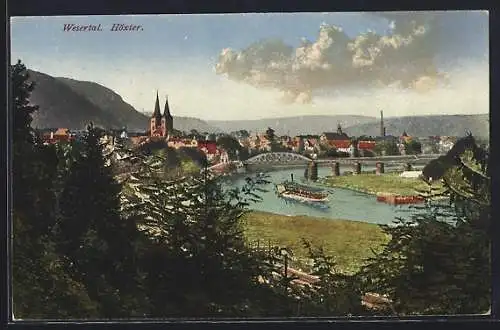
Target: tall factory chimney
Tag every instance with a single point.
(382, 128)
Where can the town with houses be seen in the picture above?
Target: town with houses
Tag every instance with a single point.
(316, 146)
(346, 175)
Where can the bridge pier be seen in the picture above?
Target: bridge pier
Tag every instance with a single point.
(312, 173)
(380, 169)
(408, 167)
(336, 169)
(356, 168)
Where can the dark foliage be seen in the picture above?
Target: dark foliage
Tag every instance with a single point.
(158, 245)
(230, 144)
(41, 287)
(438, 261)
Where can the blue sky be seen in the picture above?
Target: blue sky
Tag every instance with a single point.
(176, 54)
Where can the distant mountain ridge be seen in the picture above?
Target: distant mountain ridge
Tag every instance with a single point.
(110, 102)
(70, 103)
(60, 106)
(186, 124)
(452, 125)
(293, 125)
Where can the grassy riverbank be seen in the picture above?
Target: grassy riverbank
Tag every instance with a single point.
(389, 183)
(349, 241)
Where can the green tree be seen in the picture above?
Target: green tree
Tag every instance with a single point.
(199, 263)
(270, 135)
(194, 155)
(413, 147)
(230, 144)
(438, 261)
(97, 244)
(244, 134)
(388, 148)
(334, 294)
(195, 134)
(41, 288)
(21, 88)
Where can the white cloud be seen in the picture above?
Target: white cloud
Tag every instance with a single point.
(195, 90)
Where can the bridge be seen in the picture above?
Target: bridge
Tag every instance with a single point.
(277, 158)
(289, 158)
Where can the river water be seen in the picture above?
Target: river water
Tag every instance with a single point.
(343, 203)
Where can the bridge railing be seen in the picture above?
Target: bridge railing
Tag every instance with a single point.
(299, 159)
(386, 158)
(277, 156)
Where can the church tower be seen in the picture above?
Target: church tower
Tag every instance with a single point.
(167, 117)
(155, 120)
(161, 125)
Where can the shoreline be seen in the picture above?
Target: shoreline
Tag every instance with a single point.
(349, 241)
(385, 185)
(311, 217)
(355, 189)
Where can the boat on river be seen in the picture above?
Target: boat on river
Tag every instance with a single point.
(301, 193)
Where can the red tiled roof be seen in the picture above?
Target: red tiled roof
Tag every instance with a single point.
(335, 136)
(368, 145)
(211, 146)
(340, 143)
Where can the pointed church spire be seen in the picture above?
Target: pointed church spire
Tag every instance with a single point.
(169, 120)
(157, 113)
(166, 110)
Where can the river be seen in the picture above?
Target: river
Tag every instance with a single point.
(343, 203)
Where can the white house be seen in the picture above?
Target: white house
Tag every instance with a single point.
(445, 145)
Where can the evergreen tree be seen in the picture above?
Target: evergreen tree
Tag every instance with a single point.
(438, 261)
(41, 288)
(270, 135)
(21, 88)
(198, 263)
(97, 244)
(334, 294)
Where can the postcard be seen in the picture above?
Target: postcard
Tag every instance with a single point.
(250, 165)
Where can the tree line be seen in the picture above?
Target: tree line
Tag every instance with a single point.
(86, 246)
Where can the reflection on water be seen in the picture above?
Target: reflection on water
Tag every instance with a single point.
(343, 203)
(315, 205)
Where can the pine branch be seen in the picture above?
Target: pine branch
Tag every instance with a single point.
(469, 170)
(463, 194)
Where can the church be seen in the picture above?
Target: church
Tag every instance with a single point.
(161, 125)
